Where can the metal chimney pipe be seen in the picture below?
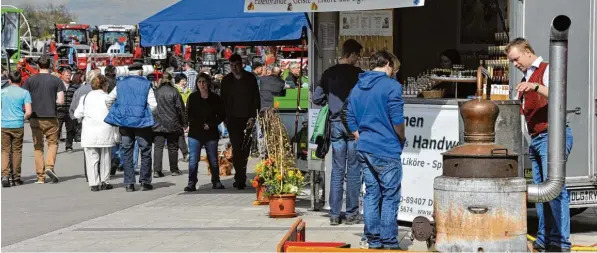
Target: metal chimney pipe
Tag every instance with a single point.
(556, 158)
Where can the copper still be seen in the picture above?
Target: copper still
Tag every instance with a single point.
(479, 201)
(480, 156)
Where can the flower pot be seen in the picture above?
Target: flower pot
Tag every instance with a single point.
(261, 199)
(282, 206)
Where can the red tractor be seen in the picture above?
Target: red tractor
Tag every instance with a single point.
(116, 46)
(71, 46)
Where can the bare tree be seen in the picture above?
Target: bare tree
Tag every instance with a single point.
(43, 17)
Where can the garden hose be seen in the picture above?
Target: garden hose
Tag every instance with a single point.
(592, 247)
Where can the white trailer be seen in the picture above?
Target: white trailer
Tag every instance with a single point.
(531, 19)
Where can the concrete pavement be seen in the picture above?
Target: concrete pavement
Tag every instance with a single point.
(69, 217)
(31, 210)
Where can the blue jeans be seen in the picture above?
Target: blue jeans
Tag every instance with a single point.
(344, 164)
(383, 182)
(131, 137)
(117, 150)
(554, 216)
(211, 148)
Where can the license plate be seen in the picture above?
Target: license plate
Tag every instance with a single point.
(578, 197)
(528, 173)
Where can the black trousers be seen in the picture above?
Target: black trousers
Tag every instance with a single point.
(159, 140)
(71, 128)
(241, 147)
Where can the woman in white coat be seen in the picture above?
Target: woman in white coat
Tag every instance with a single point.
(97, 137)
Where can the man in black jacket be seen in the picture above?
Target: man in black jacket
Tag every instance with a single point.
(240, 94)
(335, 86)
(63, 115)
(170, 120)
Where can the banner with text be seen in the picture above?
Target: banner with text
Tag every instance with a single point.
(326, 5)
(430, 131)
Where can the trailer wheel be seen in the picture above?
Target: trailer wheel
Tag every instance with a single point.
(576, 211)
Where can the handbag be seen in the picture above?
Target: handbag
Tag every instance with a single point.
(323, 138)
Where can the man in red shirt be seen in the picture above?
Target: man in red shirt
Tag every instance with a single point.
(533, 91)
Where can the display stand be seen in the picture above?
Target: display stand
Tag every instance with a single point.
(453, 80)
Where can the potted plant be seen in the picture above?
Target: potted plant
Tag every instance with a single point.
(277, 172)
(281, 190)
(263, 171)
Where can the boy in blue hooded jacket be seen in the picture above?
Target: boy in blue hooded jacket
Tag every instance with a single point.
(375, 116)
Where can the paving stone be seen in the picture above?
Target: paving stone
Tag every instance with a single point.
(219, 221)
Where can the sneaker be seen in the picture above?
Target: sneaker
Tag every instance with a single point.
(18, 181)
(130, 188)
(95, 188)
(52, 176)
(146, 187)
(218, 186)
(5, 182)
(158, 174)
(40, 181)
(176, 173)
(363, 244)
(334, 221)
(106, 186)
(352, 220)
(69, 150)
(553, 248)
(190, 188)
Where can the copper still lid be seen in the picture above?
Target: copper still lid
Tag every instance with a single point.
(479, 156)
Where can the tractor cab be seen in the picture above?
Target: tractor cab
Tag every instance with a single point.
(76, 34)
(116, 39)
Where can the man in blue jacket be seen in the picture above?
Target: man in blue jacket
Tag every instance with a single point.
(375, 116)
(131, 105)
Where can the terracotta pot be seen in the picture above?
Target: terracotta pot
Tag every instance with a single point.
(261, 199)
(282, 206)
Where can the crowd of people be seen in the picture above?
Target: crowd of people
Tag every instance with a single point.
(122, 118)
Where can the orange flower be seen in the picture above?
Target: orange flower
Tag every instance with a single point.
(255, 184)
(279, 177)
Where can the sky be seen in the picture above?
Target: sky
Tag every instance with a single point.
(98, 12)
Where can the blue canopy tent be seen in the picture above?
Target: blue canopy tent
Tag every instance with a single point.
(209, 21)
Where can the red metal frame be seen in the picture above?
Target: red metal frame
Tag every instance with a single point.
(72, 26)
